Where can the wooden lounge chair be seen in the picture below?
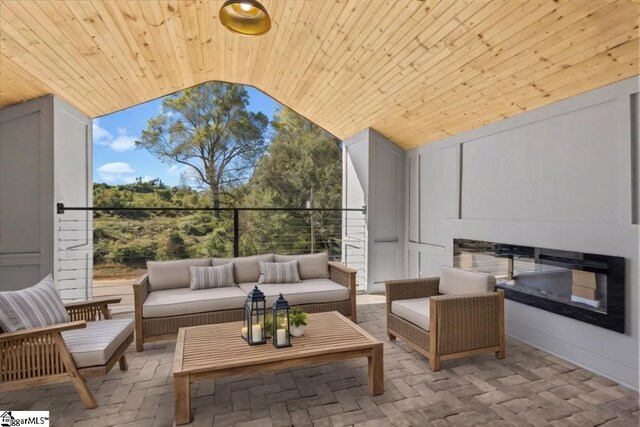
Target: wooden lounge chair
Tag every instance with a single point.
(66, 351)
(456, 315)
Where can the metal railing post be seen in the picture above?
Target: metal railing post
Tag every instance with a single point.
(236, 232)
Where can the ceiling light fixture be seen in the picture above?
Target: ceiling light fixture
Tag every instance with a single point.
(247, 17)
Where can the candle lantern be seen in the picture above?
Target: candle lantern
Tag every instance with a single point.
(280, 323)
(255, 310)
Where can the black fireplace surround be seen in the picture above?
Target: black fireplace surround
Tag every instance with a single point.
(586, 287)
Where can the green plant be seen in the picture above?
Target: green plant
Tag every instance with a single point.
(298, 317)
(268, 325)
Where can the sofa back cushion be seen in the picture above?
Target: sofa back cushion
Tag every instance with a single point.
(279, 272)
(39, 305)
(245, 269)
(310, 266)
(454, 281)
(220, 276)
(165, 275)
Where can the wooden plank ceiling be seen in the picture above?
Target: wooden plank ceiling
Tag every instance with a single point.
(415, 71)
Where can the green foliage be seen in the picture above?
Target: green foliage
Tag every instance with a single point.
(298, 317)
(303, 163)
(135, 252)
(175, 247)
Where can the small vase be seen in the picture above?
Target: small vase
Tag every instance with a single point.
(296, 331)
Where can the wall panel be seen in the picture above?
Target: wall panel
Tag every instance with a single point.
(562, 177)
(438, 193)
(561, 168)
(413, 198)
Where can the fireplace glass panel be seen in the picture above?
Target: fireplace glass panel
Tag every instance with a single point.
(561, 276)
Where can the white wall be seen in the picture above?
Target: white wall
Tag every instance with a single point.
(26, 199)
(373, 176)
(564, 177)
(45, 158)
(73, 186)
(355, 184)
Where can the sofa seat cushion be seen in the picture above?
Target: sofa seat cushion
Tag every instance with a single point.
(414, 310)
(175, 302)
(454, 281)
(95, 344)
(310, 291)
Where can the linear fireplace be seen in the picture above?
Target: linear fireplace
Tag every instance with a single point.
(586, 287)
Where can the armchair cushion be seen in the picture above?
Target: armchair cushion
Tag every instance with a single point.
(414, 310)
(165, 275)
(454, 281)
(95, 344)
(39, 305)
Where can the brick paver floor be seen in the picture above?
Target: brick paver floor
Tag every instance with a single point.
(529, 387)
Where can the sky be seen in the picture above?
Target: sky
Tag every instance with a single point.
(115, 157)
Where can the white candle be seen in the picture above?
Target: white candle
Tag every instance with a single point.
(244, 331)
(256, 333)
(282, 336)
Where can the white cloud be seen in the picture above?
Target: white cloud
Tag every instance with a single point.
(121, 142)
(147, 178)
(100, 135)
(115, 172)
(177, 169)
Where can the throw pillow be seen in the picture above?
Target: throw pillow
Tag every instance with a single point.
(279, 272)
(454, 281)
(310, 266)
(174, 274)
(34, 307)
(246, 268)
(211, 277)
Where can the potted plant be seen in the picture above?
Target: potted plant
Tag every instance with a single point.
(297, 321)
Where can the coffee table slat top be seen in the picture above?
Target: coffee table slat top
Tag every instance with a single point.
(219, 346)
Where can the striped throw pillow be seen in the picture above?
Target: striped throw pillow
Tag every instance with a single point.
(211, 277)
(279, 272)
(39, 305)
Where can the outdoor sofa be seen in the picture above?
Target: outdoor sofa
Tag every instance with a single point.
(458, 314)
(164, 301)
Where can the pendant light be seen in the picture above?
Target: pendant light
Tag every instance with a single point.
(247, 17)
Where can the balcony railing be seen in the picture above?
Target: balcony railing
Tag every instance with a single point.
(101, 250)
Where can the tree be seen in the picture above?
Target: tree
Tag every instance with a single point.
(302, 160)
(209, 129)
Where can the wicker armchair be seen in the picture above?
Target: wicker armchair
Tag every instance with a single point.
(45, 355)
(458, 325)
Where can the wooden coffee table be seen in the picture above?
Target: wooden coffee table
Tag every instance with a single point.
(214, 351)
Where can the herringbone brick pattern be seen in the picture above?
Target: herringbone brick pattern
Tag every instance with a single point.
(529, 387)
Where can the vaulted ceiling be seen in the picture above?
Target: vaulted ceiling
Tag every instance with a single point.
(415, 71)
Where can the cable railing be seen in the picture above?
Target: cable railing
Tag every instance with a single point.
(102, 250)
